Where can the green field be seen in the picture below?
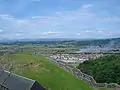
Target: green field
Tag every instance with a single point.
(42, 70)
(46, 73)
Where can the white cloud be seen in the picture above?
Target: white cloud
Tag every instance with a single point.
(1, 30)
(58, 13)
(88, 31)
(109, 34)
(50, 33)
(87, 6)
(78, 34)
(100, 31)
(18, 34)
(5, 16)
(74, 21)
(36, 0)
(21, 22)
(111, 19)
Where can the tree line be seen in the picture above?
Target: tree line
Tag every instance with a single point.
(104, 70)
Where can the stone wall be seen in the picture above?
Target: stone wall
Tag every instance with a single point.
(82, 76)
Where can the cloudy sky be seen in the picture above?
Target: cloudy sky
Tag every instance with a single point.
(59, 19)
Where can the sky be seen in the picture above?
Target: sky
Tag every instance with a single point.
(83, 19)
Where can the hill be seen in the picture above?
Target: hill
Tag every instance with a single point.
(104, 70)
(73, 41)
(46, 73)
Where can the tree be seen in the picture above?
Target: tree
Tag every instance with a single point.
(104, 70)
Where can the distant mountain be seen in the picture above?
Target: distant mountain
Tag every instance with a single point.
(110, 41)
(62, 41)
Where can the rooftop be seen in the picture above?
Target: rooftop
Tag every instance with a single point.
(10, 81)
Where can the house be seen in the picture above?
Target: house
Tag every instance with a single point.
(10, 81)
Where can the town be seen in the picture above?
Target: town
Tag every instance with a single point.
(75, 58)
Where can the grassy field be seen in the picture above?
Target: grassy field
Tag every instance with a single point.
(46, 73)
(49, 75)
(48, 49)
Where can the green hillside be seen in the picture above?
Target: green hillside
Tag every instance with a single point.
(104, 70)
(46, 73)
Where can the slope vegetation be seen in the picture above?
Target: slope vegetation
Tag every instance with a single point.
(46, 73)
(104, 70)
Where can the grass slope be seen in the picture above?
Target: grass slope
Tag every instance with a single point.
(46, 73)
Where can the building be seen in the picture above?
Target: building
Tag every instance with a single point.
(10, 81)
(98, 49)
